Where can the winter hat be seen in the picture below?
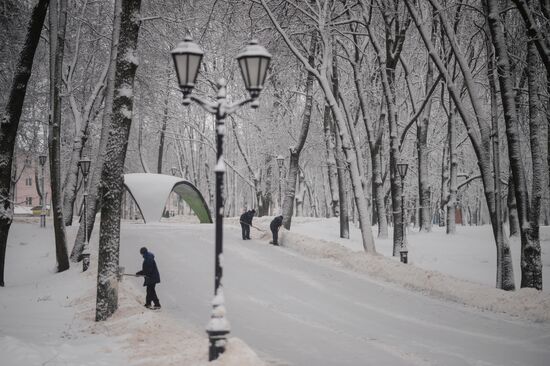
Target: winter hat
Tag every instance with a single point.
(143, 250)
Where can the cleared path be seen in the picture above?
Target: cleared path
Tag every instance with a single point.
(295, 311)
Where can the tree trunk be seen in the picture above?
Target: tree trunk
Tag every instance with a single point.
(513, 219)
(453, 166)
(94, 184)
(505, 248)
(538, 132)
(531, 264)
(341, 164)
(163, 129)
(113, 168)
(423, 152)
(294, 163)
(10, 122)
(58, 22)
(332, 172)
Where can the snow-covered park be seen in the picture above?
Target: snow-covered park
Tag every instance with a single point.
(316, 300)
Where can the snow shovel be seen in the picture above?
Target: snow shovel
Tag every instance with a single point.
(121, 274)
(257, 228)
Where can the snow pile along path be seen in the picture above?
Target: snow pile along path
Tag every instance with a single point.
(525, 303)
(152, 338)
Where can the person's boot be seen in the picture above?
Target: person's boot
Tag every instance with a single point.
(157, 306)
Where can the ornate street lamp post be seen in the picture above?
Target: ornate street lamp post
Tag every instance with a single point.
(280, 161)
(42, 161)
(253, 62)
(402, 169)
(84, 165)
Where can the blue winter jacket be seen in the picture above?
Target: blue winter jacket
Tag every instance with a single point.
(149, 269)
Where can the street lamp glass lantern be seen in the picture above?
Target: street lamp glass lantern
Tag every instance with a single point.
(84, 165)
(254, 62)
(187, 58)
(42, 159)
(173, 170)
(280, 161)
(402, 169)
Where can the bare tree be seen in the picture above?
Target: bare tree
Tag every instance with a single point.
(9, 123)
(113, 168)
(531, 263)
(58, 24)
(95, 176)
(294, 163)
(326, 45)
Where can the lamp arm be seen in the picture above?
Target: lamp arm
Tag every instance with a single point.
(210, 107)
(229, 109)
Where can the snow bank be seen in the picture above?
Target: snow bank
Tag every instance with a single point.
(524, 303)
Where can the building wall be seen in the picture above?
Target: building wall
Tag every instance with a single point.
(25, 190)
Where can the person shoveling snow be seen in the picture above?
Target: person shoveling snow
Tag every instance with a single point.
(152, 277)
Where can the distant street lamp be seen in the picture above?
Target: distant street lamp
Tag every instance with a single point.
(280, 161)
(174, 171)
(42, 161)
(402, 169)
(84, 165)
(253, 62)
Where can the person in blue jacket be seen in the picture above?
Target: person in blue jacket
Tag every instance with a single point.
(152, 277)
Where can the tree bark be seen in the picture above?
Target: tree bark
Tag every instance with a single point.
(531, 264)
(496, 167)
(538, 133)
(332, 172)
(513, 219)
(163, 129)
(58, 22)
(294, 163)
(341, 164)
(422, 146)
(9, 122)
(113, 168)
(453, 166)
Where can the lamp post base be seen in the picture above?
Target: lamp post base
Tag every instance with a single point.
(218, 341)
(42, 220)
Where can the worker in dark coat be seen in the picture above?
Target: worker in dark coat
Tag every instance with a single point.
(275, 225)
(152, 277)
(246, 223)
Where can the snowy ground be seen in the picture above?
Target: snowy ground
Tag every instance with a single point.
(47, 318)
